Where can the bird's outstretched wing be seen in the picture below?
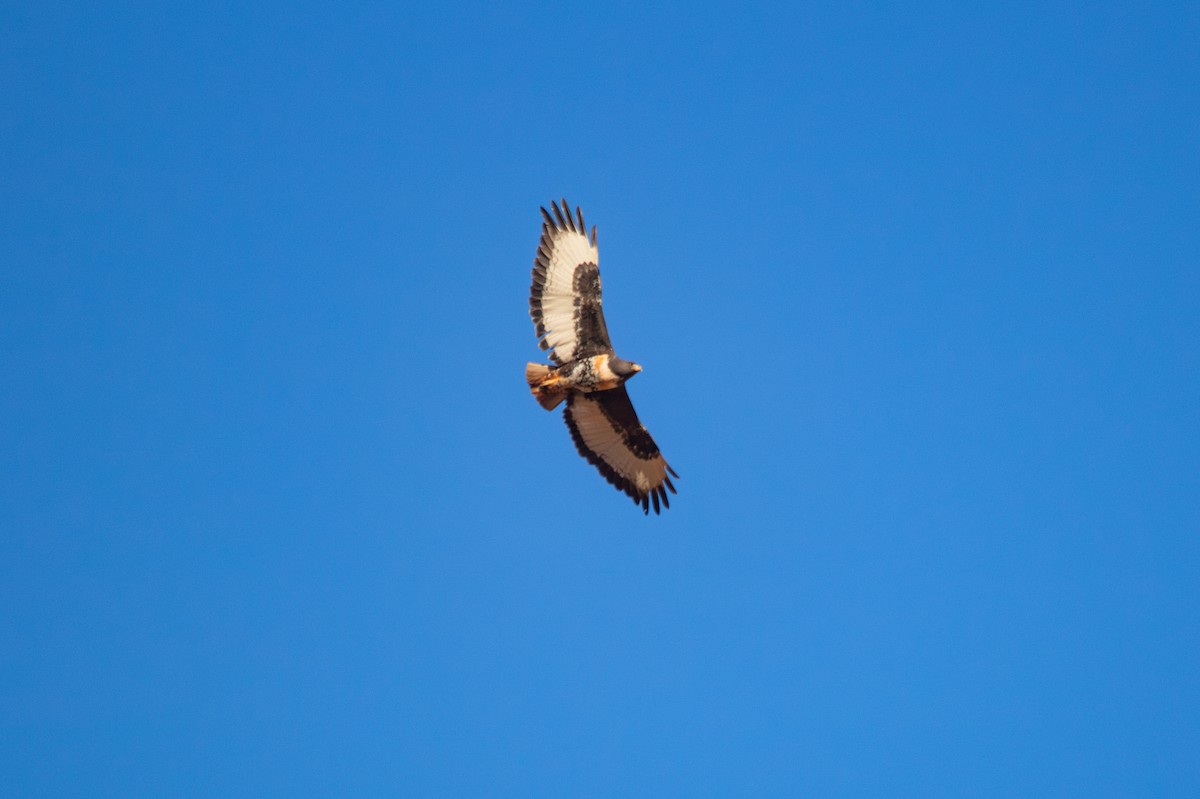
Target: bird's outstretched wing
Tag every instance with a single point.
(564, 299)
(607, 432)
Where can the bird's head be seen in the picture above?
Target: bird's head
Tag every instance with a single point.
(622, 368)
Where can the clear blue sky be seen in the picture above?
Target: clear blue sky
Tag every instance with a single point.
(917, 293)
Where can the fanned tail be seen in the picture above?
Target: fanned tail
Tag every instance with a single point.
(543, 385)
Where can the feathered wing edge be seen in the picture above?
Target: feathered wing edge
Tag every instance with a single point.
(555, 287)
(633, 442)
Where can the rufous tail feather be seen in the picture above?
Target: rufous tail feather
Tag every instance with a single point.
(543, 385)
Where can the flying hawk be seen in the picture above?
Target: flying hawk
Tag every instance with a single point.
(564, 302)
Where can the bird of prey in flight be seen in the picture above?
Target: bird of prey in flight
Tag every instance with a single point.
(564, 303)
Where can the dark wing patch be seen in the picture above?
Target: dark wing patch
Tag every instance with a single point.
(591, 333)
(565, 298)
(606, 431)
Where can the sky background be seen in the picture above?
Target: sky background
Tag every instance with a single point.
(916, 288)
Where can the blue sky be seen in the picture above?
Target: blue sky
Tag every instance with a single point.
(916, 291)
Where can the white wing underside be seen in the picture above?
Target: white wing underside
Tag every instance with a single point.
(566, 250)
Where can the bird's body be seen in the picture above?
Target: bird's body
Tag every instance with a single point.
(565, 305)
(597, 373)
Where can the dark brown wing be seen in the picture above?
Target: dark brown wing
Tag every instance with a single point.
(606, 431)
(564, 300)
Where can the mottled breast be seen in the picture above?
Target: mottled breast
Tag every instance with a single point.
(591, 374)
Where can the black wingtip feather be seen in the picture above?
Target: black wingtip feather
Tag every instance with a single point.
(566, 208)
